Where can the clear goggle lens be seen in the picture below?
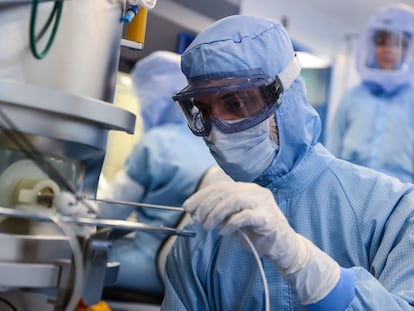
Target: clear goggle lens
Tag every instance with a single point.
(236, 106)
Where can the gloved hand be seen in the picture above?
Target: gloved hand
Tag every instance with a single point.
(67, 205)
(234, 207)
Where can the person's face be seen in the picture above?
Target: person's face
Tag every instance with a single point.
(389, 50)
(231, 106)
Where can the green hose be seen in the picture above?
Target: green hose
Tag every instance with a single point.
(56, 14)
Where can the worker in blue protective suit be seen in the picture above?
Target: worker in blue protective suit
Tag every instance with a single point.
(331, 235)
(164, 168)
(374, 122)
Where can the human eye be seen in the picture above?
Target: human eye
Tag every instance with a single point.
(234, 105)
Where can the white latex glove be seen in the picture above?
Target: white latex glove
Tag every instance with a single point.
(232, 207)
(67, 205)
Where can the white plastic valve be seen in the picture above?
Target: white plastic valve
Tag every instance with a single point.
(22, 175)
(36, 191)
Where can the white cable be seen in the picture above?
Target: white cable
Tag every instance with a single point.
(261, 269)
(78, 262)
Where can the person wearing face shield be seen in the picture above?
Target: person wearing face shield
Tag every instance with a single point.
(373, 124)
(163, 168)
(331, 235)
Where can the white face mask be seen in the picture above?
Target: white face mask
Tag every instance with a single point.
(247, 154)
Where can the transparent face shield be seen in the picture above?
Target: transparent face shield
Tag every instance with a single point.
(233, 104)
(388, 51)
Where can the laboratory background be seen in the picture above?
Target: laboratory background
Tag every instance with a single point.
(69, 119)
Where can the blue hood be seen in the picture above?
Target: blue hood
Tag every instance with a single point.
(156, 78)
(239, 43)
(395, 18)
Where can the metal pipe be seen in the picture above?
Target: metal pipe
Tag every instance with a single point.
(138, 204)
(112, 223)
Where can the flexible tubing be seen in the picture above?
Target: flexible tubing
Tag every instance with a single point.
(261, 269)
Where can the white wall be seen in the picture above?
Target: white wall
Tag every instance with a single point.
(181, 15)
(307, 24)
(121, 143)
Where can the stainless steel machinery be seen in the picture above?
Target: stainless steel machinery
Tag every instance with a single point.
(58, 67)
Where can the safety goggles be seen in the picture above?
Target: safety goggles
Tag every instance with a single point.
(233, 103)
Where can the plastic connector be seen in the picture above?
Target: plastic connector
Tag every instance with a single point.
(130, 14)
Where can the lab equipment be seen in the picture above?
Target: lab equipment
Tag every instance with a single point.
(55, 15)
(136, 20)
(139, 204)
(55, 114)
(130, 14)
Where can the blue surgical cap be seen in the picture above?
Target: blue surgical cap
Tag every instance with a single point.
(156, 78)
(235, 45)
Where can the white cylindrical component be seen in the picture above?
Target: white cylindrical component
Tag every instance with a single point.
(12, 176)
(31, 191)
